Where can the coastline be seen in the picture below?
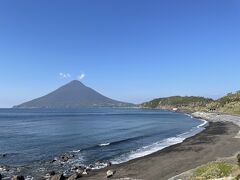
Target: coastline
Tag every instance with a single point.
(216, 117)
(218, 140)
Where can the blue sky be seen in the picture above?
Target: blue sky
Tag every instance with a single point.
(130, 50)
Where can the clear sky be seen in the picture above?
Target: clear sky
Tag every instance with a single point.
(130, 50)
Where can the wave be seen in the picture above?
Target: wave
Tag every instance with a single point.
(76, 151)
(104, 144)
(189, 133)
(113, 143)
(189, 116)
(8, 154)
(203, 124)
(157, 146)
(148, 149)
(152, 148)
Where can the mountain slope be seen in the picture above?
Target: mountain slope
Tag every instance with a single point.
(72, 95)
(190, 103)
(229, 104)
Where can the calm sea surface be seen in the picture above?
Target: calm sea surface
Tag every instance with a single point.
(95, 134)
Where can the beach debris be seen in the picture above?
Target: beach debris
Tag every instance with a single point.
(57, 177)
(75, 176)
(17, 178)
(110, 173)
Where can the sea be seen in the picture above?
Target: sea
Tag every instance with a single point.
(95, 136)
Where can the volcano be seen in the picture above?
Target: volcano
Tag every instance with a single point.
(73, 95)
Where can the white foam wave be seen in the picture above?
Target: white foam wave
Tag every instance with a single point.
(189, 115)
(104, 144)
(157, 146)
(100, 165)
(149, 149)
(76, 151)
(146, 150)
(203, 124)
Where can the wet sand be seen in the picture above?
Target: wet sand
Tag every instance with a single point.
(218, 140)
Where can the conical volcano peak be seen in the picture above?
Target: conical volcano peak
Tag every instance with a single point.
(73, 95)
(75, 83)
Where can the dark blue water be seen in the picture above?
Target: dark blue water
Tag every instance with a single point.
(96, 134)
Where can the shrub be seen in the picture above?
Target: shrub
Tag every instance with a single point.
(238, 159)
(213, 170)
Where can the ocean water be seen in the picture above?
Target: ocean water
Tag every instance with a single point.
(93, 135)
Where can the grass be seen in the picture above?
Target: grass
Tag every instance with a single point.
(231, 108)
(213, 170)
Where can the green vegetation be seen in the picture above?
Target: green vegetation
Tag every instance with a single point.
(213, 170)
(186, 102)
(228, 104)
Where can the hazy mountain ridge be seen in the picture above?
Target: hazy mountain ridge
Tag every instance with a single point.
(73, 95)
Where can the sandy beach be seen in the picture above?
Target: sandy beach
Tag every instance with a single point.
(217, 141)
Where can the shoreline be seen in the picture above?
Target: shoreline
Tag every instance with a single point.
(216, 141)
(62, 163)
(216, 117)
(177, 139)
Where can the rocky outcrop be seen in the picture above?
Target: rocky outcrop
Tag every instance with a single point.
(17, 178)
(110, 173)
(65, 157)
(58, 177)
(4, 168)
(75, 176)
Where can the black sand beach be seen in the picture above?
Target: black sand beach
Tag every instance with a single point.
(215, 142)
